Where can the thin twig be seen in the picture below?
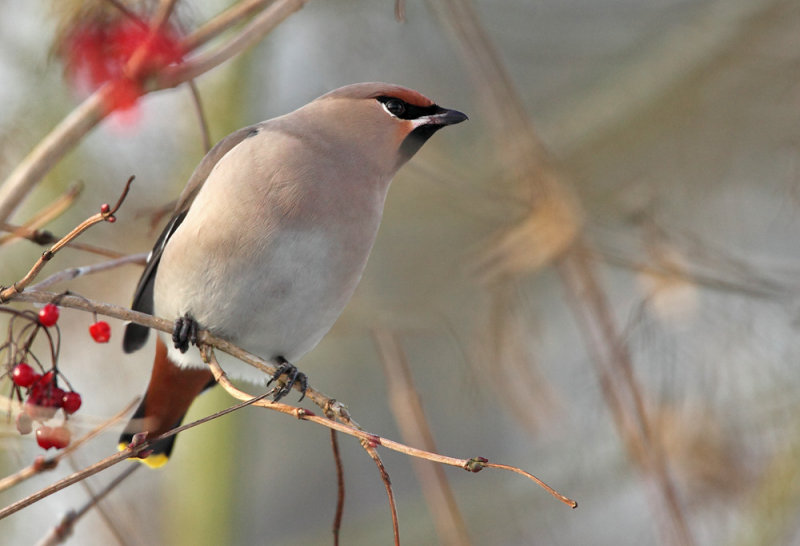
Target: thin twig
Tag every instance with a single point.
(387, 483)
(516, 470)
(251, 34)
(222, 22)
(105, 215)
(340, 491)
(61, 532)
(475, 464)
(75, 272)
(207, 339)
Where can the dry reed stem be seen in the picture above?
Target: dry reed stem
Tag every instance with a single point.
(407, 409)
(529, 162)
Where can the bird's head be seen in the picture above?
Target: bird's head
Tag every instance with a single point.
(387, 123)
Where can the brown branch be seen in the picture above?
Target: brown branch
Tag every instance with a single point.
(251, 34)
(44, 237)
(474, 464)
(75, 272)
(337, 459)
(222, 22)
(206, 340)
(387, 483)
(106, 214)
(566, 500)
(61, 532)
(73, 478)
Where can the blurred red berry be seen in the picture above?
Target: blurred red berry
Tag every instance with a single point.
(71, 402)
(100, 331)
(43, 437)
(24, 423)
(38, 412)
(23, 375)
(61, 437)
(57, 437)
(48, 315)
(45, 380)
(97, 52)
(54, 397)
(44, 398)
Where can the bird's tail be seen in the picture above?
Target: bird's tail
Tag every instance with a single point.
(171, 391)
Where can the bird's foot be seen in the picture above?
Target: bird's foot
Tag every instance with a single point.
(184, 333)
(293, 376)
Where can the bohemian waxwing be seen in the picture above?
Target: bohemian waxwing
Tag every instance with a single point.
(269, 239)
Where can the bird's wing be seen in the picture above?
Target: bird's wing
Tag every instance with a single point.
(136, 334)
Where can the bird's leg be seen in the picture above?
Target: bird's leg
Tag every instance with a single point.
(293, 375)
(184, 333)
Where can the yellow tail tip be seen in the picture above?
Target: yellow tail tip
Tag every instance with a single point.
(155, 460)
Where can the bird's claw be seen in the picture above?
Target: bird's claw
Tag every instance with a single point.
(293, 376)
(184, 333)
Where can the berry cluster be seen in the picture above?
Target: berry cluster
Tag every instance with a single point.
(39, 391)
(43, 399)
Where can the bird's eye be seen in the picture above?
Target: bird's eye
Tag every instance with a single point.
(396, 107)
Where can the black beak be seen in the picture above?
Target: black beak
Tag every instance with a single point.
(447, 117)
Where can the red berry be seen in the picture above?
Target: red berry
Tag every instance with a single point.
(24, 423)
(100, 331)
(43, 435)
(23, 375)
(38, 411)
(57, 437)
(54, 397)
(45, 380)
(71, 402)
(48, 315)
(61, 437)
(44, 398)
(104, 208)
